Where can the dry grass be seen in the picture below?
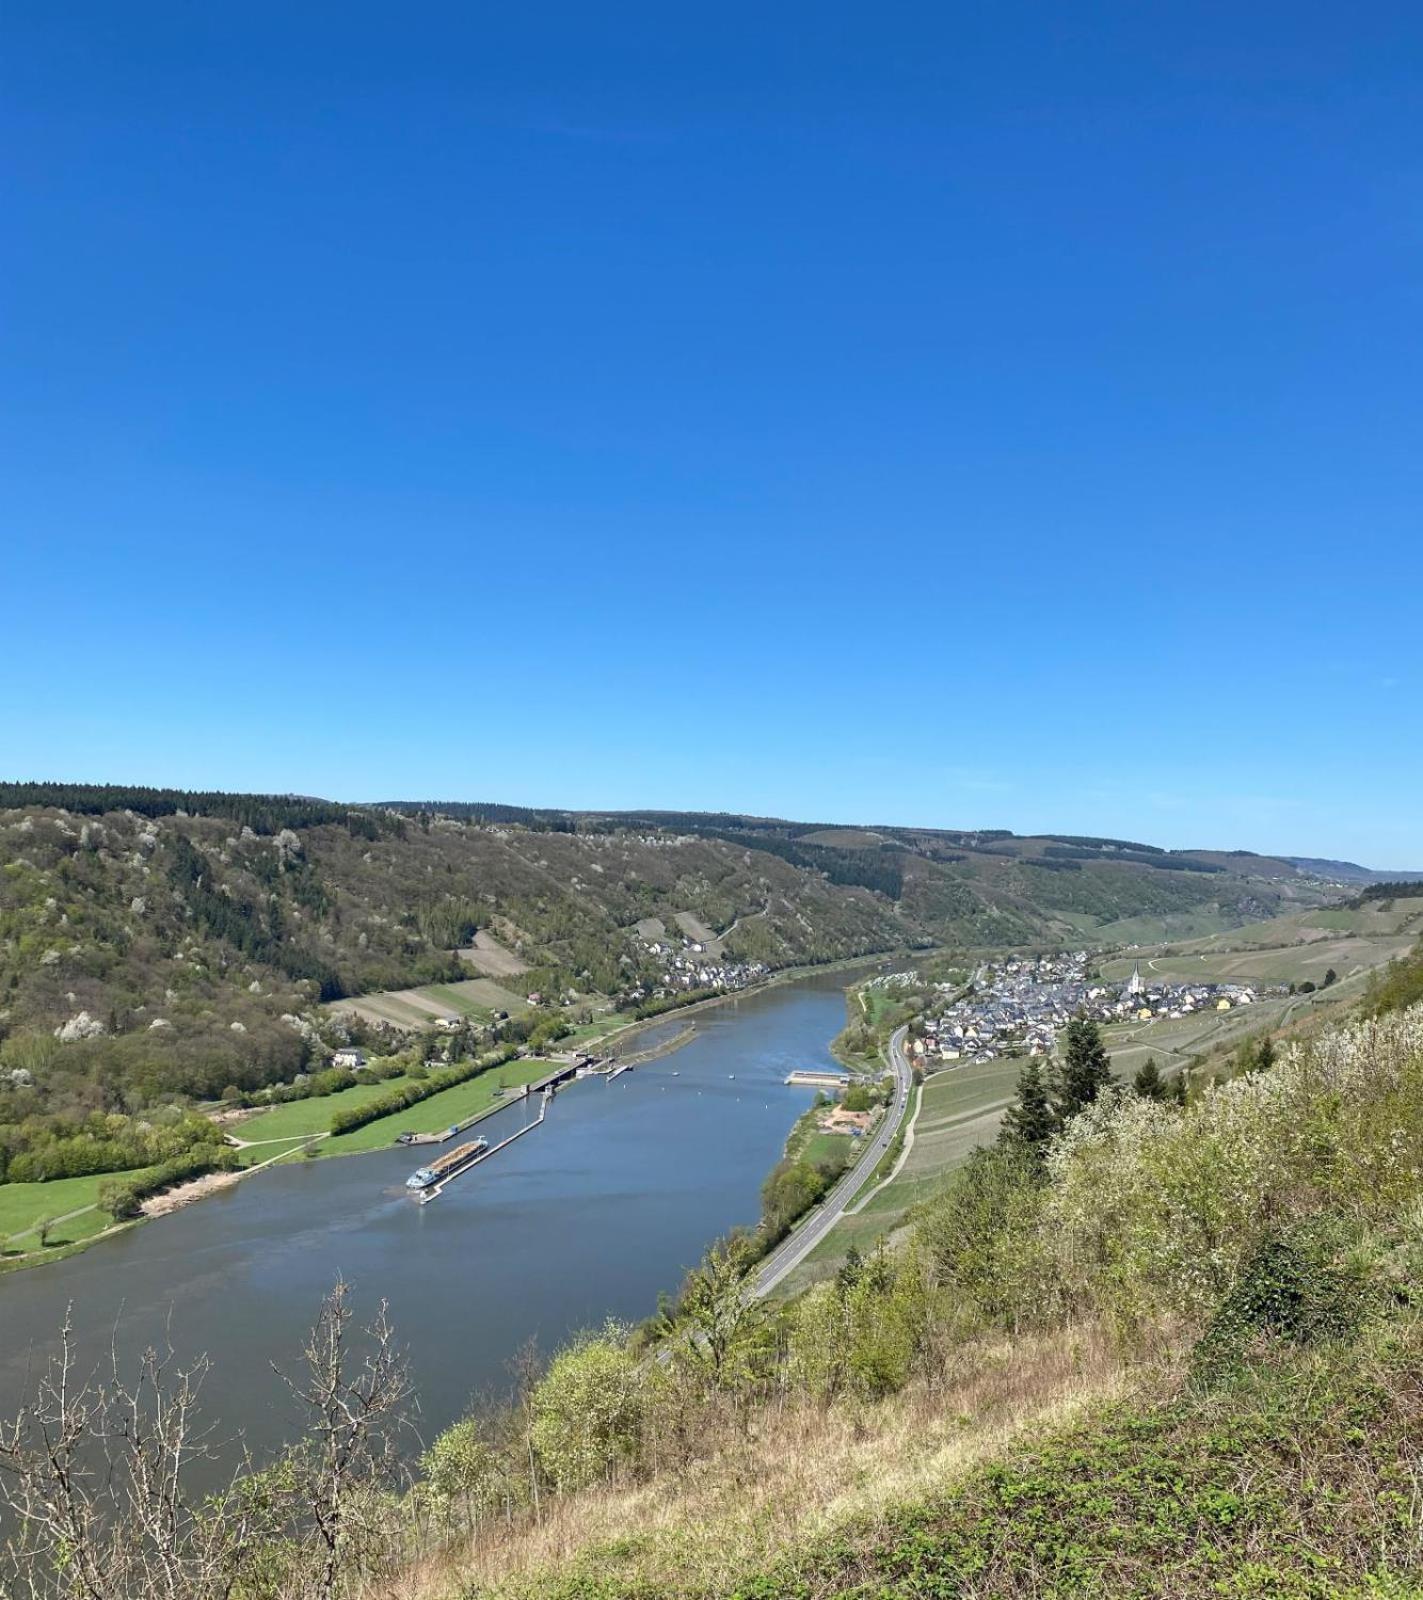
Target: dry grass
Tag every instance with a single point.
(802, 1471)
(490, 957)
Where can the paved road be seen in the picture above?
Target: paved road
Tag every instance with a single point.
(792, 1251)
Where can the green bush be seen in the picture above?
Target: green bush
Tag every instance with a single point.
(1294, 1288)
(123, 1200)
(588, 1409)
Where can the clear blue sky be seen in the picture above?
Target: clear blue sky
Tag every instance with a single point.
(958, 414)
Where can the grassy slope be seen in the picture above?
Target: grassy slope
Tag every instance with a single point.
(1292, 1482)
(704, 1532)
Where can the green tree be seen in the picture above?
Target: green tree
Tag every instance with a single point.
(463, 1472)
(1085, 1070)
(587, 1410)
(717, 1323)
(1030, 1121)
(1149, 1083)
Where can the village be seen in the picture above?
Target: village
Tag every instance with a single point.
(1020, 1006)
(689, 964)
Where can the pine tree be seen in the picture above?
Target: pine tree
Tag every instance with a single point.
(1029, 1122)
(1085, 1070)
(1149, 1083)
(1265, 1054)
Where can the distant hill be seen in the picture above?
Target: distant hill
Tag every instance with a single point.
(177, 939)
(1349, 871)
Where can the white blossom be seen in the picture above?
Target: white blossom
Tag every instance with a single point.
(81, 1026)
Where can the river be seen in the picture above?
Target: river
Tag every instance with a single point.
(590, 1216)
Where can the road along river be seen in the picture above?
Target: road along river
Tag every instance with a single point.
(591, 1216)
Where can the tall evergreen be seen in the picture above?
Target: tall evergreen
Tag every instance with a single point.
(1149, 1083)
(1085, 1070)
(1030, 1121)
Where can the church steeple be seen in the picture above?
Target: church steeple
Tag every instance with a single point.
(1136, 986)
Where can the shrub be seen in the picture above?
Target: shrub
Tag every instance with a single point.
(588, 1410)
(123, 1200)
(1292, 1288)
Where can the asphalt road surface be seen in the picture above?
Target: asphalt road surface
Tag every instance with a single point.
(793, 1250)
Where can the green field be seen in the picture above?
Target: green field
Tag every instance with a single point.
(835, 1148)
(304, 1118)
(23, 1206)
(589, 1033)
(453, 1105)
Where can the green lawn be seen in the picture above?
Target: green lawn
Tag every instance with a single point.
(587, 1033)
(464, 1100)
(832, 1147)
(24, 1205)
(303, 1118)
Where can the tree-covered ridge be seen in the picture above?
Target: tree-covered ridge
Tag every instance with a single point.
(263, 813)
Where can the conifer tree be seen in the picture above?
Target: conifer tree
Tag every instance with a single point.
(1149, 1083)
(1030, 1121)
(1085, 1070)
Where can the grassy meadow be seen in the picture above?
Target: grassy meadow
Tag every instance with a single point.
(466, 1099)
(23, 1206)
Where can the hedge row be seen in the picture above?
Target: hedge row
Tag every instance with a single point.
(123, 1199)
(411, 1094)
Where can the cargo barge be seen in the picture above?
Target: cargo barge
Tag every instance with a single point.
(447, 1166)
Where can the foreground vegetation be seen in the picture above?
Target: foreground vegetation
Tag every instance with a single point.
(1162, 1350)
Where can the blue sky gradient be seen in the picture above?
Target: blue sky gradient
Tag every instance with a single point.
(997, 415)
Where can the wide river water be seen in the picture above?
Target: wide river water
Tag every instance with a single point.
(590, 1216)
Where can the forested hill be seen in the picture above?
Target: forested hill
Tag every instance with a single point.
(153, 942)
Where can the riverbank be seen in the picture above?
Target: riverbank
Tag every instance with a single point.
(378, 1136)
(609, 1205)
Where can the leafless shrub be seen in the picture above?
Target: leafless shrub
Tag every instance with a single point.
(96, 1500)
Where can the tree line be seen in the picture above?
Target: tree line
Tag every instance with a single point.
(263, 813)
